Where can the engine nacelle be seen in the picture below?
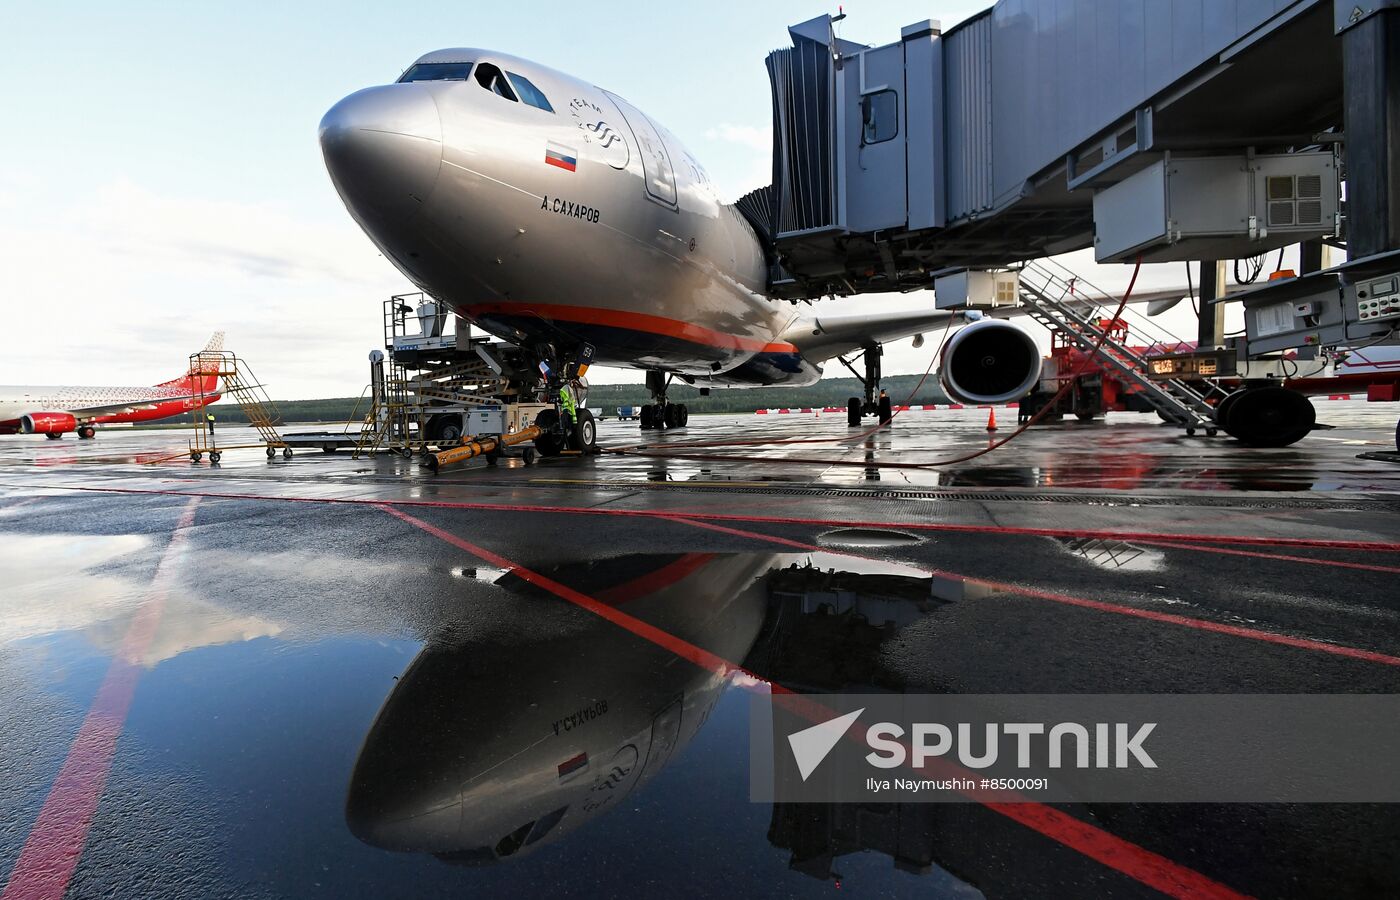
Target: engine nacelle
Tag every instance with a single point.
(989, 361)
(47, 423)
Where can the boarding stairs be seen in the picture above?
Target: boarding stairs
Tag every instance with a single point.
(253, 400)
(235, 382)
(387, 427)
(1063, 303)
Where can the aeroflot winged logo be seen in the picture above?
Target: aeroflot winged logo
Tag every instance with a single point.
(811, 745)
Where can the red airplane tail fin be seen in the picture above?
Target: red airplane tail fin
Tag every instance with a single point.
(202, 377)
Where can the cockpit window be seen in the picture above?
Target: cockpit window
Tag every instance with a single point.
(494, 80)
(457, 71)
(529, 93)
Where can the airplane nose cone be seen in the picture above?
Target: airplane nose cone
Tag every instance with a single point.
(383, 149)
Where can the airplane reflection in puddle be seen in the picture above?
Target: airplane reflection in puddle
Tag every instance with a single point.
(1131, 471)
(499, 739)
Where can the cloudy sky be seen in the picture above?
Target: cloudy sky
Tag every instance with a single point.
(160, 177)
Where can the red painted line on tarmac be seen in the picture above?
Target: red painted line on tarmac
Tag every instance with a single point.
(1316, 543)
(1283, 557)
(651, 582)
(1239, 631)
(1149, 868)
(683, 649)
(55, 843)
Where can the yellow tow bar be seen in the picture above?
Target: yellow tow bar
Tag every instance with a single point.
(473, 447)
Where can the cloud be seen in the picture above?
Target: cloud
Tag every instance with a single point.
(121, 284)
(747, 135)
(250, 238)
(745, 160)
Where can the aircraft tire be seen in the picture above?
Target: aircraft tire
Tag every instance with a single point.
(86, 432)
(585, 436)
(646, 416)
(853, 412)
(549, 443)
(1222, 410)
(886, 410)
(668, 415)
(445, 430)
(1084, 415)
(1269, 417)
(683, 415)
(54, 435)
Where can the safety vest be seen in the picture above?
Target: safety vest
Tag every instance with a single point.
(566, 400)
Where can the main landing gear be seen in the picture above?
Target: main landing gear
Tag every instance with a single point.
(86, 432)
(1267, 416)
(880, 405)
(660, 413)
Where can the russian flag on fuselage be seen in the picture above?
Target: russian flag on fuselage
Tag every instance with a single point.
(558, 155)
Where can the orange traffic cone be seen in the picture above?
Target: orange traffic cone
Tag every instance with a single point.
(992, 419)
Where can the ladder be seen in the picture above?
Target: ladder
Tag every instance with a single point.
(387, 426)
(234, 380)
(1061, 306)
(243, 387)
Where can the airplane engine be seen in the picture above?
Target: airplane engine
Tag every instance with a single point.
(47, 423)
(989, 361)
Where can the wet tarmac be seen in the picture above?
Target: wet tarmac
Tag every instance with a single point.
(334, 677)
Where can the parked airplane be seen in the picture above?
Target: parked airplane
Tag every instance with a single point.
(560, 218)
(56, 410)
(556, 215)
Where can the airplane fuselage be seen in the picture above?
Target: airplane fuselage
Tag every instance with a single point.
(145, 404)
(585, 222)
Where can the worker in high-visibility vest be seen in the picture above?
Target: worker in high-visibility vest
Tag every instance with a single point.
(566, 405)
(209, 420)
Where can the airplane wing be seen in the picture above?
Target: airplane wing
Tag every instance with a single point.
(129, 406)
(820, 337)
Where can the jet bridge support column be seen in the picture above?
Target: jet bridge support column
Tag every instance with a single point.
(1211, 330)
(1371, 61)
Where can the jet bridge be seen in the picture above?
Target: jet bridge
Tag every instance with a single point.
(1153, 130)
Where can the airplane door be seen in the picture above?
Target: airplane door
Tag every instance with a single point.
(659, 176)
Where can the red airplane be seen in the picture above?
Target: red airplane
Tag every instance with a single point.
(57, 410)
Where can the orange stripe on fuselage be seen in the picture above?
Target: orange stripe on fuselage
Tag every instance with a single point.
(632, 321)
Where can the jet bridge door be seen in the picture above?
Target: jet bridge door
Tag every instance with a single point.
(873, 131)
(658, 175)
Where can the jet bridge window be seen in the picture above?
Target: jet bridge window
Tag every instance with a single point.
(457, 71)
(879, 113)
(494, 80)
(529, 93)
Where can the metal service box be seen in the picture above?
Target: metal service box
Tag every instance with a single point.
(485, 420)
(972, 289)
(1217, 207)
